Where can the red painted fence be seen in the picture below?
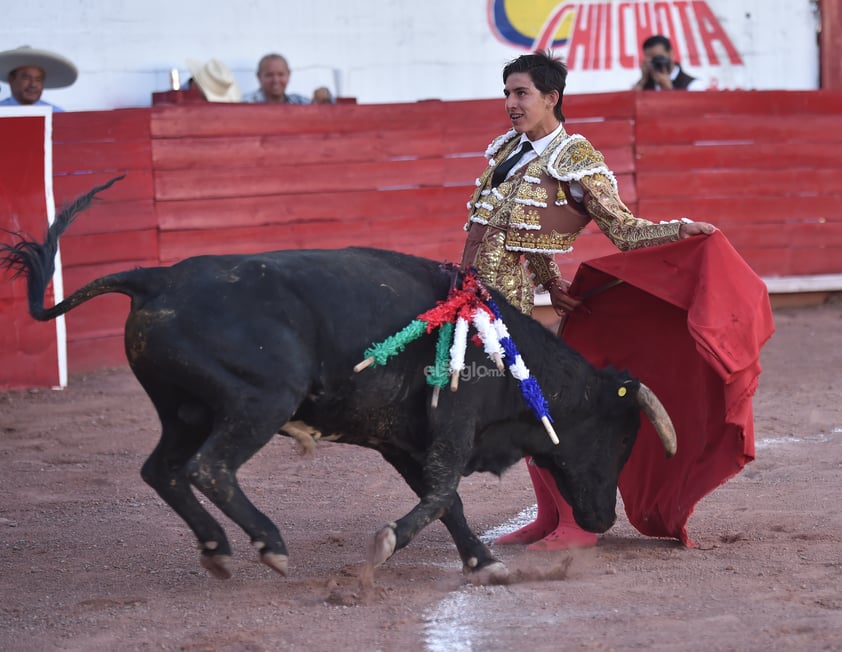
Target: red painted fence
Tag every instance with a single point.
(764, 166)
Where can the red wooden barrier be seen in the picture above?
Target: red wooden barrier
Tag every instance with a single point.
(764, 166)
(209, 178)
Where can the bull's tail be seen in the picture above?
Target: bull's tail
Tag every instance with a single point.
(36, 262)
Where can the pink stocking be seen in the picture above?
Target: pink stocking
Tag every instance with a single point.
(547, 518)
(567, 534)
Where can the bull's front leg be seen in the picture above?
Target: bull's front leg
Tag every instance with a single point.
(478, 562)
(436, 485)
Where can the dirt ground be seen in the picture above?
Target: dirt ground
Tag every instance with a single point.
(91, 559)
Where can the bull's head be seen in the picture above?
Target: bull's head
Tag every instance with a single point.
(596, 441)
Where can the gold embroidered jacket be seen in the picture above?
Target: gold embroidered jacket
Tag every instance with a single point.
(533, 215)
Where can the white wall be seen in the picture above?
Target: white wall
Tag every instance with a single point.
(374, 50)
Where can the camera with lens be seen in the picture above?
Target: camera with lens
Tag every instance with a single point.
(660, 63)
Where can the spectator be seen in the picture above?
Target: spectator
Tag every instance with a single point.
(273, 74)
(215, 81)
(541, 188)
(30, 71)
(659, 71)
(322, 95)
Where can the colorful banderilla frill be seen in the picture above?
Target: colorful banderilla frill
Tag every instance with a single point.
(469, 305)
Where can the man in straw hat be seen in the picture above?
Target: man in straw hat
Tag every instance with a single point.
(30, 71)
(215, 81)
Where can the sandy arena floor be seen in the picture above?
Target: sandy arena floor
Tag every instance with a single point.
(91, 559)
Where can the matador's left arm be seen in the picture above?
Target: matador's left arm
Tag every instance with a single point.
(616, 221)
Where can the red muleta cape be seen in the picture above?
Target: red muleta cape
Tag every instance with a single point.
(689, 319)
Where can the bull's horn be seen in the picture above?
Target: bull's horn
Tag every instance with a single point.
(657, 413)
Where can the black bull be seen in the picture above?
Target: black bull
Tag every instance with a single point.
(230, 348)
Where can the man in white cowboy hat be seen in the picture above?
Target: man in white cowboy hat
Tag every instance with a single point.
(215, 81)
(29, 71)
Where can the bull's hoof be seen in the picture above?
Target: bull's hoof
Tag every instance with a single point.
(494, 573)
(276, 562)
(383, 546)
(217, 565)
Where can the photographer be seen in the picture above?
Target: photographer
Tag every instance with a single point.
(659, 71)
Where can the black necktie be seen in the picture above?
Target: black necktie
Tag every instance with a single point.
(502, 170)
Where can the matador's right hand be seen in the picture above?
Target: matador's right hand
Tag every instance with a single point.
(560, 298)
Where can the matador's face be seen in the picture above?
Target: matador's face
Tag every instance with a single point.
(530, 110)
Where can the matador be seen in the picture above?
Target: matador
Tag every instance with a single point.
(539, 190)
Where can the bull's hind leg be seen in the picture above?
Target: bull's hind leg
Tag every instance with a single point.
(202, 449)
(165, 472)
(213, 471)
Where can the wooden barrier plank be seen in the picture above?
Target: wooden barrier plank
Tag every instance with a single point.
(810, 260)
(818, 235)
(768, 210)
(118, 155)
(110, 216)
(136, 186)
(577, 108)
(741, 157)
(109, 247)
(627, 185)
(250, 151)
(27, 362)
(409, 241)
(217, 119)
(620, 160)
(658, 129)
(376, 233)
(323, 178)
(788, 261)
(771, 103)
(101, 317)
(472, 114)
(176, 245)
(603, 134)
(222, 183)
(620, 104)
(362, 205)
(726, 183)
(278, 209)
(95, 126)
(84, 356)
(12, 291)
(768, 262)
(78, 275)
(305, 149)
(445, 250)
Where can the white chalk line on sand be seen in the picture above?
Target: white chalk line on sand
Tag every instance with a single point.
(457, 623)
(769, 442)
